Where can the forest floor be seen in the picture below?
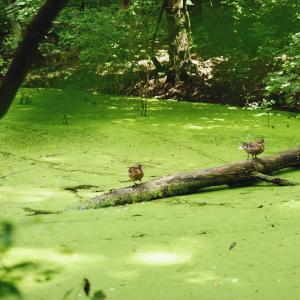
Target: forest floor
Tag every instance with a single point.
(177, 248)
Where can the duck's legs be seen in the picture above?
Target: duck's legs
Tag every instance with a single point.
(136, 184)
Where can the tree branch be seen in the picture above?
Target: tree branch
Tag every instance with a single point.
(271, 179)
(27, 51)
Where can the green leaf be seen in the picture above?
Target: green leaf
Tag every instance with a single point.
(9, 291)
(99, 295)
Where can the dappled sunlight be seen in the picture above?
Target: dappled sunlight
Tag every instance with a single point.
(192, 126)
(204, 277)
(53, 158)
(260, 114)
(19, 254)
(161, 258)
(214, 126)
(25, 108)
(129, 120)
(292, 204)
(28, 193)
(124, 121)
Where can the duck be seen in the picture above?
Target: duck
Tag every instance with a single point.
(136, 173)
(254, 148)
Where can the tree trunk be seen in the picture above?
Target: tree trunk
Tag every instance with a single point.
(125, 4)
(82, 5)
(179, 40)
(239, 173)
(27, 51)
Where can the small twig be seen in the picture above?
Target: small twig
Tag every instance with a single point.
(272, 179)
(13, 173)
(144, 106)
(34, 212)
(65, 119)
(233, 244)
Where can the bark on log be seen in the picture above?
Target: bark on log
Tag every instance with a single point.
(241, 172)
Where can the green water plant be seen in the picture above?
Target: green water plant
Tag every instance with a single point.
(267, 106)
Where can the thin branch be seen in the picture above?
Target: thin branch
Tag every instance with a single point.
(272, 179)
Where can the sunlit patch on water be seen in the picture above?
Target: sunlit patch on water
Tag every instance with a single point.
(161, 258)
(213, 126)
(206, 277)
(25, 108)
(52, 157)
(191, 126)
(261, 114)
(291, 204)
(48, 255)
(26, 194)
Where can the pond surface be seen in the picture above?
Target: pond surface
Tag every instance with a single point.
(175, 248)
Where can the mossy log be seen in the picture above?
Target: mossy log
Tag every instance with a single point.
(243, 172)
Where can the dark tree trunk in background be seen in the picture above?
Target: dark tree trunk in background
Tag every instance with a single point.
(125, 4)
(197, 8)
(27, 52)
(82, 5)
(179, 40)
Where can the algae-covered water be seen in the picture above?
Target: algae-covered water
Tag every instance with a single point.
(175, 248)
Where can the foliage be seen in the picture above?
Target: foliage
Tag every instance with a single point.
(23, 10)
(109, 39)
(86, 289)
(12, 274)
(249, 34)
(283, 84)
(8, 283)
(105, 47)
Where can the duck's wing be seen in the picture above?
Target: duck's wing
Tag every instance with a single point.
(248, 145)
(133, 171)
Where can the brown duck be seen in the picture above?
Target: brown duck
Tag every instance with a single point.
(136, 173)
(254, 148)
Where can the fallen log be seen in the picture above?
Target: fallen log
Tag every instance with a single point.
(243, 172)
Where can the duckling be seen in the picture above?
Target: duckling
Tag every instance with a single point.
(136, 173)
(254, 148)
